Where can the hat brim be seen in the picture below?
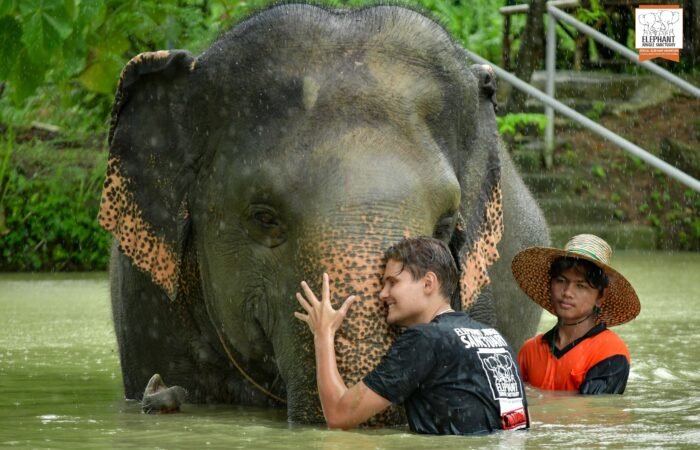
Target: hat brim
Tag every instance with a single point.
(530, 268)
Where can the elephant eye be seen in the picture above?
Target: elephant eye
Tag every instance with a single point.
(445, 226)
(265, 219)
(265, 226)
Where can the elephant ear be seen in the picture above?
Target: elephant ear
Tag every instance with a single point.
(481, 229)
(144, 204)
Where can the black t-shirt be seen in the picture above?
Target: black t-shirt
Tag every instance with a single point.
(454, 375)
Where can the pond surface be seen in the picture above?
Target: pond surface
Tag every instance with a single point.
(60, 383)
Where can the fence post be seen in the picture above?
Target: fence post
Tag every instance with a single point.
(550, 65)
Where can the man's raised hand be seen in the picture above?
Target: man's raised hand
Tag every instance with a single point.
(320, 315)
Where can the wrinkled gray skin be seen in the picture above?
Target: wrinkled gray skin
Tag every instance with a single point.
(303, 141)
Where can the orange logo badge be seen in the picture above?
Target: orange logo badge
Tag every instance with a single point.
(659, 31)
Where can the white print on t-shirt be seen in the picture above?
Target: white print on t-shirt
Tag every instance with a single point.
(501, 372)
(484, 338)
(505, 385)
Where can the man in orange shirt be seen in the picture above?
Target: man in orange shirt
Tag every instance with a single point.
(578, 286)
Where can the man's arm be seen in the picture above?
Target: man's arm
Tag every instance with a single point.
(609, 376)
(342, 407)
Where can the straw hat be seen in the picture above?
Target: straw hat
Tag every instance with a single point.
(531, 270)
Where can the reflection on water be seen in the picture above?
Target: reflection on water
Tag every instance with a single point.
(60, 384)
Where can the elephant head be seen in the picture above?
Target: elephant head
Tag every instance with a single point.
(668, 18)
(304, 140)
(648, 20)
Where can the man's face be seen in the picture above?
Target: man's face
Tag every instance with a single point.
(572, 297)
(404, 296)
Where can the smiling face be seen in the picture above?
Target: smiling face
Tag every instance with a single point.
(572, 297)
(406, 300)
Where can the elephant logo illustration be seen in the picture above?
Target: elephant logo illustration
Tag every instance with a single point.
(659, 32)
(659, 23)
(501, 372)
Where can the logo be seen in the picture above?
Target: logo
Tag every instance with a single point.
(659, 32)
(501, 372)
(506, 387)
(483, 338)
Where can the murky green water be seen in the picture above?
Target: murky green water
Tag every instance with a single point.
(60, 384)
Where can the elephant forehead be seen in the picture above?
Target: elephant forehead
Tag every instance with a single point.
(370, 166)
(379, 163)
(392, 60)
(321, 34)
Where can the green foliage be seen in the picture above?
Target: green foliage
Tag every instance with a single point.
(566, 45)
(48, 208)
(476, 24)
(619, 214)
(676, 219)
(637, 162)
(598, 171)
(597, 110)
(4, 182)
(512, 124)
(594, 13)
(57, 41)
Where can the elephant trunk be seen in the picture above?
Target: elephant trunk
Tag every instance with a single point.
(353, 259)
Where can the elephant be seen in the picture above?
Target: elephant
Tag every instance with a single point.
(668, 18)
(304, 140)
(648, 20)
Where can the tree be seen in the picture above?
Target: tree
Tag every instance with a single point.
(530, 54)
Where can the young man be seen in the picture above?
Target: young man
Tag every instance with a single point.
(578, 286)
(453, 374)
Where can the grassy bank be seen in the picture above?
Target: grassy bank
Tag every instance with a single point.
(597, 182)
(49, 196)
(639, 193)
